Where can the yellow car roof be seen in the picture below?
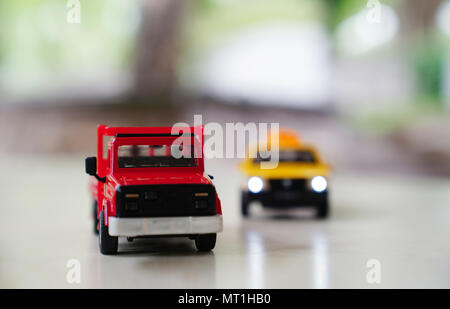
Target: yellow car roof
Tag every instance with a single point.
(288, 140)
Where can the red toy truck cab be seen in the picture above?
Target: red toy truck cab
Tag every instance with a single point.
(150, 182)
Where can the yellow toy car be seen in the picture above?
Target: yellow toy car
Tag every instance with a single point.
(300, 178)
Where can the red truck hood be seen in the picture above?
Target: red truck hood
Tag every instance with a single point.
(167, 178)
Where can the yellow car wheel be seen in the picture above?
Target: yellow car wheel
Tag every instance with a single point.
(244, 204)
(323, 210)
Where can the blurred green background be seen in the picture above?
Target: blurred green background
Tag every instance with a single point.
(348, 74)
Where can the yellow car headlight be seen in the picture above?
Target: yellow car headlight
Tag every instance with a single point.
(255, 184)
(319, 184)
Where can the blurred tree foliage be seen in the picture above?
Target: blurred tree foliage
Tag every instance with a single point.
(428, 63)
(37, 44)
(425, 49)
(39, 47)
(208, 22)
(211, 20)
(338, 10)
(157, 51)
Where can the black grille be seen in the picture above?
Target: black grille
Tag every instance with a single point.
(166, 200)
(283, 185)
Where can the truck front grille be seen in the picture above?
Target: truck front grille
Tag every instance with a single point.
(166, 200)
(284, 185)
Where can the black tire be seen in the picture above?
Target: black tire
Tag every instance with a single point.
(94, 217)
(244, 204)
(205, 242)
(323, 210)
(108, 244)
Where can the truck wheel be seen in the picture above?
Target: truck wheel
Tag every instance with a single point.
(108, 244)
(244, 204)
(205, 242)
(323, 210)
(94, 217)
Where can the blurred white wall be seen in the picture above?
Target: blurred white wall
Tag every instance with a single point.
(282, 63)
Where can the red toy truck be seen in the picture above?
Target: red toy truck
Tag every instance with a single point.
(151, 182)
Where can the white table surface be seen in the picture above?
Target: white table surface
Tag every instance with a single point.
(402, 221)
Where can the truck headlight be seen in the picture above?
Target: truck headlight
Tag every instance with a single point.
(201, 204)
(131, 202)
(255, 184)
(131, 206)
(319, 184)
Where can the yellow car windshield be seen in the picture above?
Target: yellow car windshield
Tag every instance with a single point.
(292, 156)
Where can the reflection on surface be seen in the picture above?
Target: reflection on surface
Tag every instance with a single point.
(255, 260)
(320, 271)
(371, 216)
(156, 263)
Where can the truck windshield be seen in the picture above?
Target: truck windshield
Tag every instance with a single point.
(302, 156)
(138, 156)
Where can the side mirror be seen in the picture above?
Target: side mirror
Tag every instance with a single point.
(91, 166)
(211, 176)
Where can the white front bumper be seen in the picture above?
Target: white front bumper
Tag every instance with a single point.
(133, 227)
